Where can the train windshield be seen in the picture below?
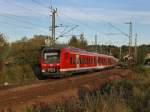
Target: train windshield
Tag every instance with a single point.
(52, 57)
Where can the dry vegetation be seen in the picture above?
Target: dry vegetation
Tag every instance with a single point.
(18, 59)
(16, 64)
(120, 96)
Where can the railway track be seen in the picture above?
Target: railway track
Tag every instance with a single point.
(11, 86)
(49, 90)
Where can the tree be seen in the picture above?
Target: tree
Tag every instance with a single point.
(83, 42)
(79, 43)
(3, 48)
(3, 42)
(73, 42)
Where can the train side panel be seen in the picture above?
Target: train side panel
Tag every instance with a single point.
(74, 61)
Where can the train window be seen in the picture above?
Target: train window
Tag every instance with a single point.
(74, 60)
(71, 60)
(94, 60)
(100, 60)
(80, 60)
(83, 60)
(66, 55)
(51, 57)
(86, 60)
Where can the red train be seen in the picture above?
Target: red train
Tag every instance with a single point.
(59, 62)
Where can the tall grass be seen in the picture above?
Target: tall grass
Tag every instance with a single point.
(16, 74)
(116, 96)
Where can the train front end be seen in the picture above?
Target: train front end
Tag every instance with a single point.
(50, 62)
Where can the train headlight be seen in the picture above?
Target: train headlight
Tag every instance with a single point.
(43, 71)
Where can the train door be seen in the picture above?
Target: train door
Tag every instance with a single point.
(77, 61)
(97, 61)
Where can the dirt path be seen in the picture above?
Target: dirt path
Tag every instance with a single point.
(53, 90)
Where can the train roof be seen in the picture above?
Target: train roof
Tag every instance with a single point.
(86, 52)
(72, 49)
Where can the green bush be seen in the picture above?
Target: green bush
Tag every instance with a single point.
(17, 74)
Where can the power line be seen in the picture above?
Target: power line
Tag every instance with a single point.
(22, 26)
(68, 31)
(117, 29)
(77, 21)
(8, 23)
(85, 12)
(50, 2)
(25, 21)
(23, 7)
(38, 3)
(12, 17)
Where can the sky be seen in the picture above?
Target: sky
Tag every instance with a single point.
(19, 18)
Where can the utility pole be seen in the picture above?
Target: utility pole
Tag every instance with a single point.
(102, 48)
(130, 37)
(96, 43)
(110, 52)
(53, 27)
(120, 52)
(135, 55)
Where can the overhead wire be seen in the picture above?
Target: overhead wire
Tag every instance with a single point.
(118, 29)
(68, 31)
(19, 25)
(86, 25)
(39, 4)
(12, 17)
(76, 21)
(17, 18)
(27, 8)
(121, 32)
